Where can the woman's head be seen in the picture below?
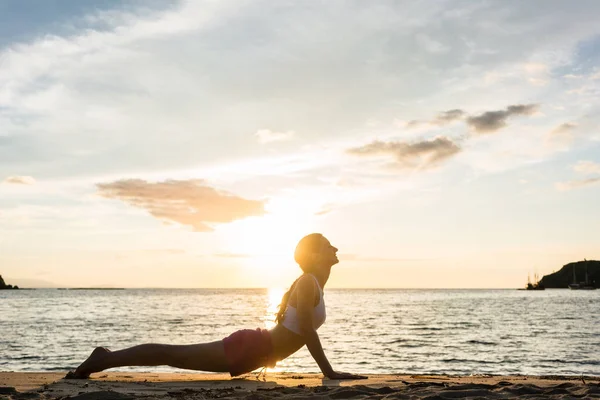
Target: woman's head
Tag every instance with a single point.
(314, 252)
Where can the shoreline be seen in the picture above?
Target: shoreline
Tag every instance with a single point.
(121, 385)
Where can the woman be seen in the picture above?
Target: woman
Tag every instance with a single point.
(301, 313)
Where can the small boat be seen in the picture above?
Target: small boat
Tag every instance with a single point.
(534, 286)
(587, 285)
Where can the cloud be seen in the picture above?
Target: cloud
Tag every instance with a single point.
(186, 202)
(538, 74)
(20, 180)
(582, 167)
(268, 136)
(587, 167)
(575, 184)
(491, 121)
(595, 75)
(483, 123)
(537, 81)
(562, 136)
(92, 94)
(535, 68)
(409, 124)
(443, 118)
(423, 154)
(430, 45)
(326, 209)
(564, 129)
(446, 117)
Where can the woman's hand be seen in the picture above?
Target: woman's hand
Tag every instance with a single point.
(345, 375)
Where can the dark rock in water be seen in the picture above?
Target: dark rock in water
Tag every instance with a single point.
(3, 285)
(564, 277)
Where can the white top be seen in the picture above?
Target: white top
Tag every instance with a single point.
(290, 317)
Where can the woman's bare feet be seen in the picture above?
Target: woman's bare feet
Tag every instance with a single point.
(90, 365)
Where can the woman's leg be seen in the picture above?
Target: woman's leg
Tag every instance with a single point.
(209, 357)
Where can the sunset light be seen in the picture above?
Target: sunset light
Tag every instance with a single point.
(171, 145)
(421, 178)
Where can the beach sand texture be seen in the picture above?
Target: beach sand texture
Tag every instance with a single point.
(123, 385)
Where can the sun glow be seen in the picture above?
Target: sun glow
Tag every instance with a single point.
(269, 241)
(275, 295)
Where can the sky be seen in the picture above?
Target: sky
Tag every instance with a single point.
(437, 144)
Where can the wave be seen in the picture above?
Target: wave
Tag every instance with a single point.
(426, 328)
(23, 358)
(483, 342)
(571, 361)
(466, 361)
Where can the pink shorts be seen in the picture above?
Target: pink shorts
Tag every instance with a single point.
(247, 350)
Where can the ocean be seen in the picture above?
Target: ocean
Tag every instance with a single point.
(367, 330)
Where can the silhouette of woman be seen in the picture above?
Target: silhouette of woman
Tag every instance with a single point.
(301, 313)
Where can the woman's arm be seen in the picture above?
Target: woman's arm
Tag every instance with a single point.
(305, 293)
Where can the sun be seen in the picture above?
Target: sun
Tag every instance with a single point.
(270, 240)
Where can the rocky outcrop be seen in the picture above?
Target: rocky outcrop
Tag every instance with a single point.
(3, 285)
(564, 277)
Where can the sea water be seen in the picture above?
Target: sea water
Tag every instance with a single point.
(367, 331)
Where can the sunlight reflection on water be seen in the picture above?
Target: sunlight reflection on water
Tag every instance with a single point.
(275, 295)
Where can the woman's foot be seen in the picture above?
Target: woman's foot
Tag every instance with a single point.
(90, 365)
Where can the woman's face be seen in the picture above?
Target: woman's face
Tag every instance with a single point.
(328, 254)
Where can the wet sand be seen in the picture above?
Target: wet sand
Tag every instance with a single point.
(124, 385)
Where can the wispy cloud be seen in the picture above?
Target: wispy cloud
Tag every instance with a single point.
(587, 167)
(575, 184)
(564, 129)
(430, 45)
(88, 92)
(268, 136)
(443, 118)
(584, 168)
(446, 117)
(185, 202)
(413, 123)
(19, 180)
(326, 208)
(492, 121)
(422, 154)
(487, 122)
(561, 136)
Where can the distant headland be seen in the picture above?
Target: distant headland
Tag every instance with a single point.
(580, 272)
(3, 285)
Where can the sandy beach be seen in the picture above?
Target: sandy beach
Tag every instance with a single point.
(123, 385)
